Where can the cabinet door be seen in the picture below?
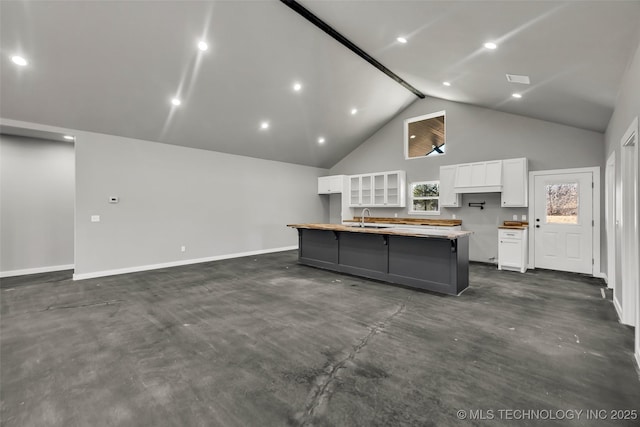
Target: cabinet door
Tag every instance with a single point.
(324, 186)
(395, 187)
(336, 183)
(510, 253)
(354, 190)
(379, 189)
(463, 175)
(493, 173)
(448, 197)
(515, 183)
(366, 193)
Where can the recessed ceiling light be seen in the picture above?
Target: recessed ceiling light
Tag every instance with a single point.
(402, 39)
(176, 101)
(516, 95)
(203, 46)
(264, 125)
(446, 83)
(354, 111)
(490, 45)
(297, 87)
(69, 137)
(412, 136)
(321, 140)
(19, 60)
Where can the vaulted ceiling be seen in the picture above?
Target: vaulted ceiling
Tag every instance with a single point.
(114, 67)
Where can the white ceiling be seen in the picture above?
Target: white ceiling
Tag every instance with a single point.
(113, 67)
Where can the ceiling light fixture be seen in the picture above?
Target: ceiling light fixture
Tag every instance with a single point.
(297, 87)
(19, 60)
(446, 83)
(354, 111)
(203, 46)
(321, 140)
(176, 101)
(69, 137)
(516, 95)
(402, 40)
(490, 45)
(264, 125)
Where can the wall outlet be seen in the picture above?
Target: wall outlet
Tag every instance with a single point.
(453, 216)
(395, 215)
(183, 248)
(524, 217)
(95, 218)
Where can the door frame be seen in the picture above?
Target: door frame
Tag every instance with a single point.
(595, 209)
(610, 219)
(630, 280)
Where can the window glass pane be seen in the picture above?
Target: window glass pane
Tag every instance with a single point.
(432, 204)
(562, 203)
(419, 205)
(426, 190)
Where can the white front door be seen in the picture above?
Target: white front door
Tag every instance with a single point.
(563, 222)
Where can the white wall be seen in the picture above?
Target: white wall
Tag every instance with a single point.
(476, 134)
(627, 108)
(36, 205)
(215, 204)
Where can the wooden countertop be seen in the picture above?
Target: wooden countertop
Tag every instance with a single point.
(395, 231)
(408, 221)
(514, 225)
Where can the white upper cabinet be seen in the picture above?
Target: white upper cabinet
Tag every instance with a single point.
(331, 184)
(479, 177)
(515, 183)
(448, 197)
(382, 189)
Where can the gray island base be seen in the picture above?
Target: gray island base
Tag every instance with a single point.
(429, 260)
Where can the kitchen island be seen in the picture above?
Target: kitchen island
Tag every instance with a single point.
(433, 260)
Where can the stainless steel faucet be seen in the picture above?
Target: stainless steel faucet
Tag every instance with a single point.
(362, 216)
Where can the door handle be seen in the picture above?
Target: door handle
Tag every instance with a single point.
(537, 226)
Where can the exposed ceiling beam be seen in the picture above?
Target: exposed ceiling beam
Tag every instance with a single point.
(306, 13)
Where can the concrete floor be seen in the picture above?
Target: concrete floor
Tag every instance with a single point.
(262, 341)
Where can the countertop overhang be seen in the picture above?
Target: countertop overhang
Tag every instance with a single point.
(391, 231)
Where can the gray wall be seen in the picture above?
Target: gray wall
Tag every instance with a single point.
(36, 203)
(627, 108)
(476, 134)
(214, 204)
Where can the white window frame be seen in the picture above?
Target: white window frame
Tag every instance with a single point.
(411, 198)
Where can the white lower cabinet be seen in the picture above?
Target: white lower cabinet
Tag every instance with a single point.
(513, 249)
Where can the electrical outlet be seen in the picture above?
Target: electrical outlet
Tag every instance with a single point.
(453, 216)
(395, 215)
(183, 248)
(515, 217)
(524, 217)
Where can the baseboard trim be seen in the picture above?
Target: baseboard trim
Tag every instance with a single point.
(36, 270)
(139, 268)
(616, 304)
(602, 275)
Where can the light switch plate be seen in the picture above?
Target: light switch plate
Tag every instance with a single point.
(95, 218)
